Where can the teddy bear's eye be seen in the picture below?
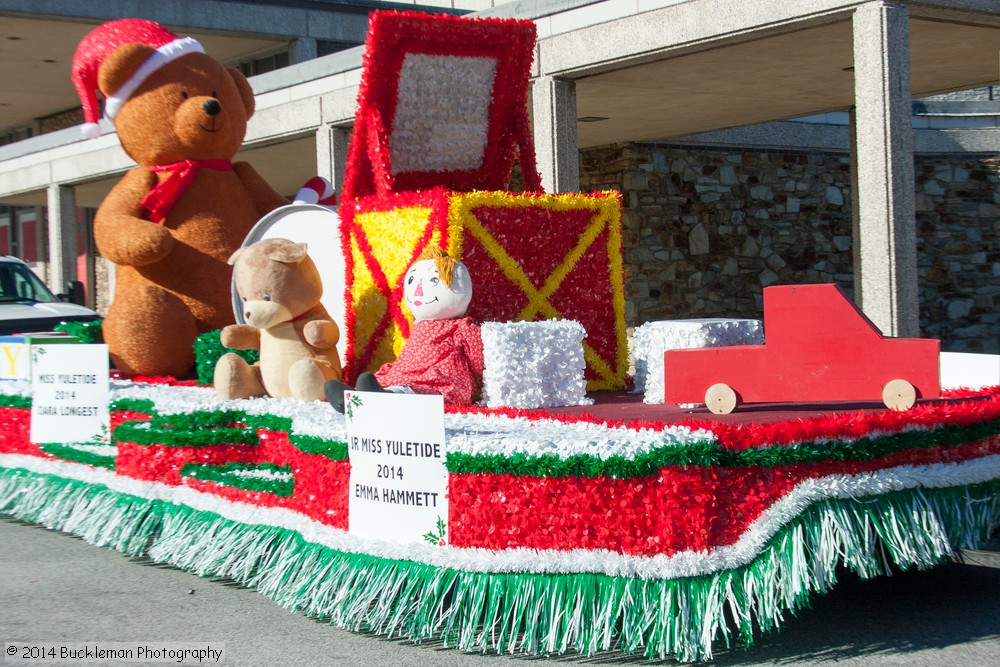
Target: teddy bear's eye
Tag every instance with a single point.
(409, 279)
(434, 280)
(184, 94)
(266, 297)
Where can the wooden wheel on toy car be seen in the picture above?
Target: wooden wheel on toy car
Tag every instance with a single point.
(722, 399)
(899, 395)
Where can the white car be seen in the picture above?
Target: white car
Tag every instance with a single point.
(27, 305)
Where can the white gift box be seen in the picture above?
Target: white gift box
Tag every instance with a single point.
(534, 364)
(654, 338)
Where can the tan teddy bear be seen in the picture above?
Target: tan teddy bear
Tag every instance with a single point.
(280, 288)
(170, 224)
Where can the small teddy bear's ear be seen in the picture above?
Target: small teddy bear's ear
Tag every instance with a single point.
(246, 92)
(290, 253)
(120, 65)
(232, 258)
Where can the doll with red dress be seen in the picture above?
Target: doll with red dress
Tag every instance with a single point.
(444, 352)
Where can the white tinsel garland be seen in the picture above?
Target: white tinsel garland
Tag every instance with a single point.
(654, 338)
(534, 364)
(440, 122)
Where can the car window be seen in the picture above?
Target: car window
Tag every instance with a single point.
(19, 283)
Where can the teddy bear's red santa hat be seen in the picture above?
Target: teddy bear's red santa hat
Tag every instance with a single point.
(100, 42)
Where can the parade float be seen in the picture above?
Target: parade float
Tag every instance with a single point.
(568, 525)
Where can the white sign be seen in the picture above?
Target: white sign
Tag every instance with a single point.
(398, 480)
(70, 394)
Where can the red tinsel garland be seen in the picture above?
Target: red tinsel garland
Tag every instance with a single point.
(394, 35)
(321, 484)
(680, 509)
(15, 427)
(540, 239)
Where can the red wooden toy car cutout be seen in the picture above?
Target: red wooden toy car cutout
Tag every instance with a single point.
(818, 346)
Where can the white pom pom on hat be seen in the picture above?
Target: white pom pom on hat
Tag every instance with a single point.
(100, 42)
(90, 130)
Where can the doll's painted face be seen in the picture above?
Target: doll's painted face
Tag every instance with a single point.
(429, 298)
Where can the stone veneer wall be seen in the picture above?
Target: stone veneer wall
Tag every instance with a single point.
(958, 222)
(705, 229)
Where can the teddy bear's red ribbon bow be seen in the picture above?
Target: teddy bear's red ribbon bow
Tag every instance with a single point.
(162, 198)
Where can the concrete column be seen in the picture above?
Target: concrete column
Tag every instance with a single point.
(301, 50)
(325, 248)
(886, 257)
(553, 103)
(852, 124)
(61, 202)
(331, 154)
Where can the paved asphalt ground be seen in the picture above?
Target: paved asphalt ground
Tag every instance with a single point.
(56, 588)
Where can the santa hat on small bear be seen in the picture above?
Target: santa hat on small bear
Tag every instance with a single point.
(100, 42)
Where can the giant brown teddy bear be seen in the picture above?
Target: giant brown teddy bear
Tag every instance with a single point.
(171, 224)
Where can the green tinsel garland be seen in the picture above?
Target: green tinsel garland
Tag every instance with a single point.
(85, 332)
(197, 429)
(143, 405)
(214, 428)
(208, 348)
(525, 612)
(68, 452)
(15, 401)
(331, 449)
(199, 420)
(134, 432)
(228, 474)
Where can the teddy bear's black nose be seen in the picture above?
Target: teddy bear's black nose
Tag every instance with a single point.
(211, 107)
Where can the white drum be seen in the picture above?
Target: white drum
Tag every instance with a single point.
(319, 228)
